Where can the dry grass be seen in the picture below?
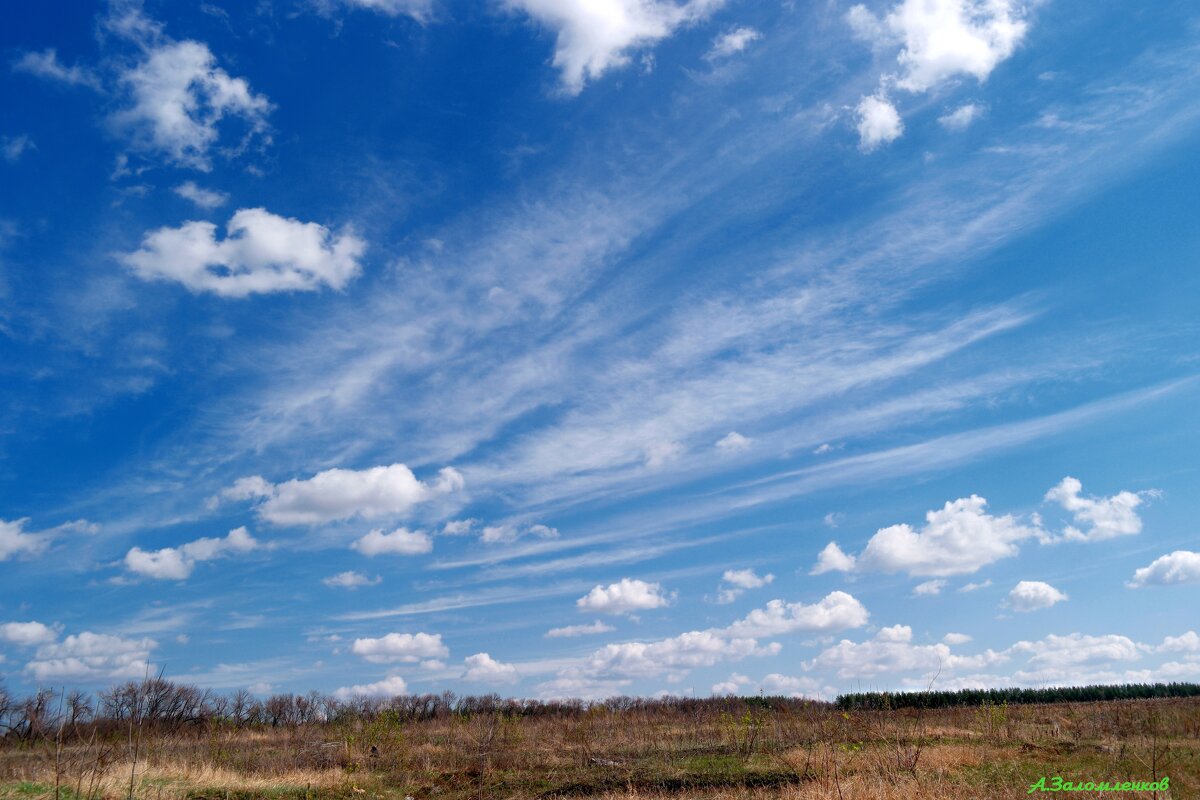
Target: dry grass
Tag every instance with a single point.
(809, 753)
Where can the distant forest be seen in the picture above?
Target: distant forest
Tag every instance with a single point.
(979, 697)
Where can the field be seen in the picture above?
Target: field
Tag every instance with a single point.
(717, 748)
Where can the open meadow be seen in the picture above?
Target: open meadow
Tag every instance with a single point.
(182, 743)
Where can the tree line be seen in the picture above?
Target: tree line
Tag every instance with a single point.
(1014, 696)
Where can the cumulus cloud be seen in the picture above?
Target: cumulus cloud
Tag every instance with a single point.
(675, 655)
(936, 41)
(203, 198)
(15, 542)
(339, 494)
(1181, 566)
(773, 684)
(388, 687)
(625, 596)
(406, 647)
(929, 588)
(482, 668)
(400, 542)
(177, 563)
(961, 118)
(594, 36)
(1033, 596)
(503, 534)
(1187, 643)
(788, 686)
(25, 634)
(956, 638)
(732, 42)
(836, 611)
(732, 442)
(832, 559)
(45, 64)
(458, 527)
(260, 254)
(570, 631)
(176, 98)
(1103, 517)
(891, 651)
(92, 657)
(943, 39)
(1058, 652)
(879, 122)
(959, 538)
(739, 580)
(350, 580)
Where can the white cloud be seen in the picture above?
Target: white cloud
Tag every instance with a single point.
(675, 655)
(458, 527)
(879, 122)
(1187, 643)
(204, 198)
(46, 65)
(942, 39)
(956, 638)
(420, 10)
(388, 687)
(734, 41)
(733, 442)
(892, 652)
(974, 587)
(732, 686)
(407, 647)
(1059, 652)
(482, 668)
(929, 588)
(177, 563)
(832, 559)
(1105, 517)
(177, 98)
(504, 534)
(961, 118)
(252, 487)
(895, 633)
(400, 542)
(350, 580)
(958, 538)
(26, 633)
(659, 453)
(1034, 595)
(789, 686)
(623, 597)
(261, 253)
(832, 519)
(338, 494)
(594, 36)
(836, 611)
(16, 146)
(740, 580)
(92, 656)
(746, 578)
(1181, 566)
(15, 542)
(570, 631)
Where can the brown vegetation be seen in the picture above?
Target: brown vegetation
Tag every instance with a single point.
(157, 740)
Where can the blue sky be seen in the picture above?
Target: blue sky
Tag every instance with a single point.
(563, 348)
